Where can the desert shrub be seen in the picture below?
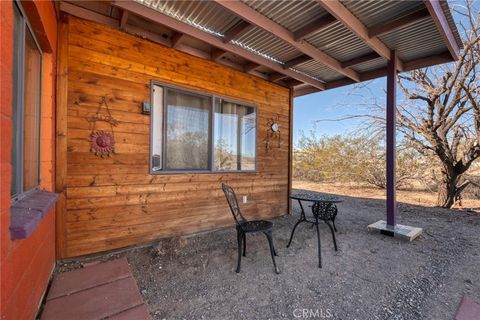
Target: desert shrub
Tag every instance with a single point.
(353, 158)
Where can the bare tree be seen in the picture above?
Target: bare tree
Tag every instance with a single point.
(441, 113)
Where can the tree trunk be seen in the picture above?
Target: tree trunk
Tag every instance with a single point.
(447, 190)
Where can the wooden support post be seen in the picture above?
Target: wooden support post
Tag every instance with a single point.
(391, 141)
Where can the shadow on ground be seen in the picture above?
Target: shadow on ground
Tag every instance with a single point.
(371, 276)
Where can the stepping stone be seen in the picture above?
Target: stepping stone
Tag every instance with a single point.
(88, 277)
(136, 313)
(102, 291)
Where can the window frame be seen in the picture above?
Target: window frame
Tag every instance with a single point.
(211, 145)
(18, 108)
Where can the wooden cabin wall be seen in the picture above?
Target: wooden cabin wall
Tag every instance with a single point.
(114, 202)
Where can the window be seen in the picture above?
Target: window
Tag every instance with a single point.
(26, 108)
(234, 136)
(199, 132)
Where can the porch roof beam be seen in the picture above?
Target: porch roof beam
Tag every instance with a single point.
(443, 57)
(314, 26)
(88, 14)
(236, 30)
(249, 67)
(123, 19)
(441, 22)
(177, 39)
(277, 76)
(304, 90)
(157, 17)
(361, 59)
(296, 61)
(217, 54)
(342, 14)
(292, 83)
(256, 18)
(384, 28)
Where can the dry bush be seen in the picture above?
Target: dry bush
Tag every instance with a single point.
(351, 158)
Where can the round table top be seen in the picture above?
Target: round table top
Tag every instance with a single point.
(314, 197)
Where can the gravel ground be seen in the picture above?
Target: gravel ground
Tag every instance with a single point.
(371, 276)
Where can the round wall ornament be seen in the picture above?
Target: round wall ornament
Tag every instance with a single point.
(273, 132)
(102, 143)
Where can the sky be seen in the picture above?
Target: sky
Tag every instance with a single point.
(333, 104)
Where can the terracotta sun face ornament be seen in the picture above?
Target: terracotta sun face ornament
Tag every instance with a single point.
(102, 143)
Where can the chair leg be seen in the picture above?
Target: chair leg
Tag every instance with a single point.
(319, 245)
(239, 240)
(268, 234)
(333, 234)
(244, 245)
(293, 231)
(274, 251)
(334, 227)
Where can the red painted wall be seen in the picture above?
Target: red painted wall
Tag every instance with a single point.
(26, 265)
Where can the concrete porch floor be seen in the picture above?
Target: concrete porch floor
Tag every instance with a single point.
(371, 276)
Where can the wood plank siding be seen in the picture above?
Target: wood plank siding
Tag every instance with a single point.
(115, 202)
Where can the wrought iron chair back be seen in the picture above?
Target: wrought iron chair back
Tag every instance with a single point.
(233, 204)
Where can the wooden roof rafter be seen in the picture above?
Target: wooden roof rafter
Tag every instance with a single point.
(180, 27)
(123, 20)
(177, 39)
(348, 19)
(403, 21)
(217, 54)
(236, 30)
(440, 20)
(381, 72)
(296, 61)
(183, 36)
(314, 27)
(277, 76)
(254, 17)
(250, 67)
(358, 60)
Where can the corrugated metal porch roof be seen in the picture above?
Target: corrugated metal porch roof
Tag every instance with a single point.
(417, 40)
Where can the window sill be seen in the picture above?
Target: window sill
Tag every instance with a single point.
(26, 214)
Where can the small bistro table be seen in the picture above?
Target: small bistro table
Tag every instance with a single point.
(327, 203)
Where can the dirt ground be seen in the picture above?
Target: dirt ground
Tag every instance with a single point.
(371, 276)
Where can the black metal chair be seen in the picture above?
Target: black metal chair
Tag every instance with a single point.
(244, 226)
(326, 212)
